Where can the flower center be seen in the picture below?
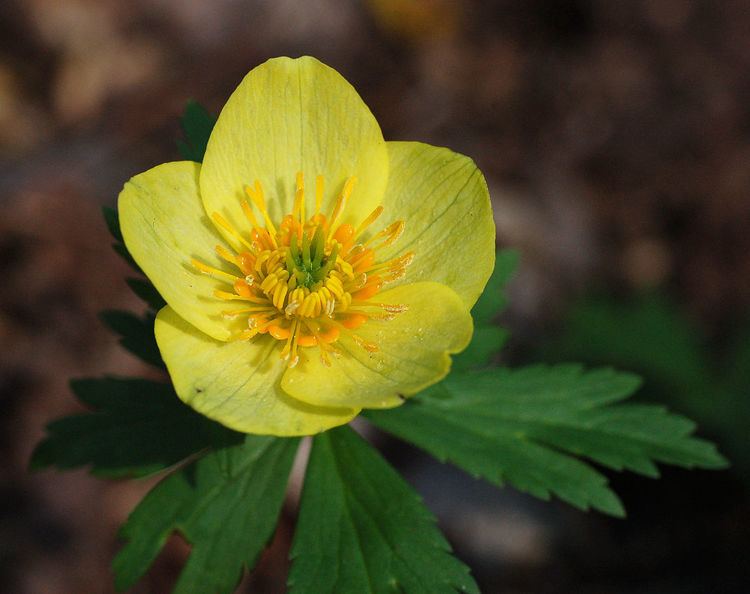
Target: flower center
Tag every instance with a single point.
(308, 280)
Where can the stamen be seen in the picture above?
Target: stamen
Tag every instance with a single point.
(245, 335)
(318, 194)
(256, 195)
(234, 297)
(224, 224)
(247, 209)
(341, 202)
(299, 198)
(391, 233)
(312, 281)
(368, 221)
(370, 347)
(206, 269)
(229, 314)
(227, 256)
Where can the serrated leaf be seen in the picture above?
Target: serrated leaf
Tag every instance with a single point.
(528, 427)
(647, 335)
(136, 427)
(197, 125)
(650, 335)
(136, 334)
(146, 291)
(226, 505)
(362, 529)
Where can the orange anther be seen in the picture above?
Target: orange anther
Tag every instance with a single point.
(247, 262)
(371, 288)
(278, 332)
(344, 233)
(242, 288)
(306, 340)
(330, 335)
(354, 321)
(365, 261)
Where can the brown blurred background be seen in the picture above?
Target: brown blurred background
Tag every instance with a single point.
(615, 137)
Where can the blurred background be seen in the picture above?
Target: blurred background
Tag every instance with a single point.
(615, 137)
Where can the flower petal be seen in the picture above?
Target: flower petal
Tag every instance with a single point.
(289, 116)
(412, 352)
(442, 197)
(237, 383)
(164, 226)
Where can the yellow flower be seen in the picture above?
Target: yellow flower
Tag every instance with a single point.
(310, 268)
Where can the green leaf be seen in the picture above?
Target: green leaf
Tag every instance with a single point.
(123, 252)
(363, 530)
(197, 124)
(488, 338)
(226, 505)
(650, 335)
(146, 291)
(137, 427)
(528, 427)
(136, 334)
(485, 343)
(493, 300)
(113, 222)
(647, 335)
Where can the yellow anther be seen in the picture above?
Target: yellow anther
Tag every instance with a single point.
(344, 302)
(268, 283)
(314, 280)
(260, 260)
(279, 294)
(346, 269)
(334, 286)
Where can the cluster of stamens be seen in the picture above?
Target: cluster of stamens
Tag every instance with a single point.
(311, 279)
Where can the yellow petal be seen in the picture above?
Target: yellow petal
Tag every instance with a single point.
(412, 352)
(237, 383)
(442, 197)
(164, 226)
(289, 116)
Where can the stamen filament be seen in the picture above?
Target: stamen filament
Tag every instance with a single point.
(341, 203)
(224, 224)
(318, 194)
(206, 269)
(368, 221)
